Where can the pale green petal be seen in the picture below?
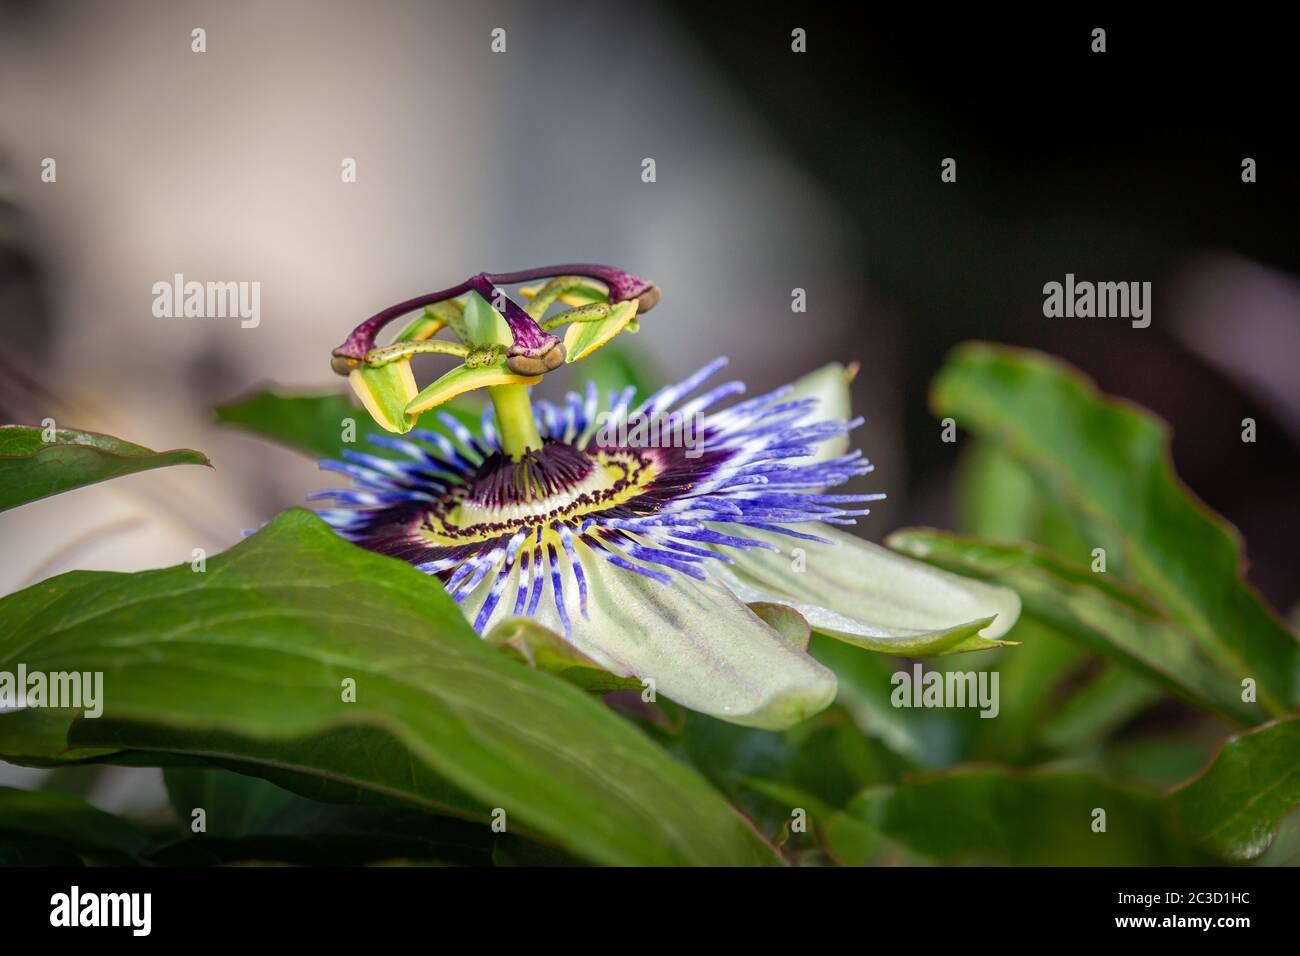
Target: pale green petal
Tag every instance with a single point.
(542, 648)
(830, 386)
(867, 595)
(701, 646)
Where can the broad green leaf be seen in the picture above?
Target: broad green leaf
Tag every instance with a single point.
(1233, 807)
(38, 737)
(1285, 848)
(32, 468)
(1097, 709)
(1109, 462)
(1036, 818)
(67, 824)
(997, 497)
(316, 424)
(233, 805)
(348, 765)
(1230, 811)
(312, 423)
(1031, 679)
(1158, 758)
(1102, 615)
(352, 764)
(824, 761)
(850, 842)
(260, 645)
(613, 369)
(247, 818)
(994, 496)
(922, 737)
(341, 838)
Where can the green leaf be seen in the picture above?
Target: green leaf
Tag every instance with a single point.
(613, 368)
(995, 496)
(1108, 461)
(1031, 681)
(317, 423)
(1233, 807)
(247, 818)
(233, 805)
(67, 825)
(1095, 710)
(38, 737)
(1037, 818)
(1155, 757)
(1089, 608)
(817, 766)
(31, 468)
(1230, 811)
(257, 648)
(353, 764)
(920, 736)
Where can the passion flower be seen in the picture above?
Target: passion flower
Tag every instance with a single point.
(651, 559)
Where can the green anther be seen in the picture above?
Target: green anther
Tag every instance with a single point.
(561, 285)
(387, 354)
(593, 312)
(484, 355)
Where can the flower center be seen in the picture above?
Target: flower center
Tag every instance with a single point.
(554, 483)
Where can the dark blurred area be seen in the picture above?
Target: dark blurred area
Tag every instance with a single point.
(1122, 165)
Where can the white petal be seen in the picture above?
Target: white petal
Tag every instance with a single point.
(702, 647)
(864, 594)
(830, 386)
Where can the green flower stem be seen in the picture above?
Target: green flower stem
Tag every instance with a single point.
(515, 419)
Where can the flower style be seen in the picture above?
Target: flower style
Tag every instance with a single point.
(699, 563)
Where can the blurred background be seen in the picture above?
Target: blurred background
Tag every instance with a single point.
(775, 170)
